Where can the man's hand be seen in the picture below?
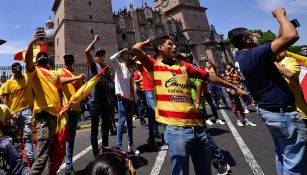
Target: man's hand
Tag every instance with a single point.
(97, 37)
(35, 38)
(123, 52)
(197, 105)
(130, 167)
(148, 42)
(81, 76)
(139, 102)
(279, 12)
(14, 117)
(243, 94)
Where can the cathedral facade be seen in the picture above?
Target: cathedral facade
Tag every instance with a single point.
(78, 21)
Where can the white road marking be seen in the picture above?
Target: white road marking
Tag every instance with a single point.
(76, 157)
(244, 148)
(159, 161)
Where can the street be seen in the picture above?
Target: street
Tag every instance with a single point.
(248, 150)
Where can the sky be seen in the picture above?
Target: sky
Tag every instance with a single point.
(20, 18)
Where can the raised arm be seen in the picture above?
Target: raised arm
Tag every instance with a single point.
(64, 80)
(138, 48)
(88, 54)
(288, 33)
(29, 54)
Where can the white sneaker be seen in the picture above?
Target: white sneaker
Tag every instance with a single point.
(219, 121)
(250, 123)
(246, 111)
(209, 122)
(239, 123)
(132, 149)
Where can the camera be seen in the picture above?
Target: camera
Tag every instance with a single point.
(295, 23)
(41, 33)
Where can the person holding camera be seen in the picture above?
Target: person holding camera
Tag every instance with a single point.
(274, 99)
(46, 85)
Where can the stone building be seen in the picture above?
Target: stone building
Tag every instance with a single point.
(78, 21)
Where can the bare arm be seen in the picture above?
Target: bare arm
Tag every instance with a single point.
(198, 94)
(288, 33)
(218, 81)
(138, 48)
(284, 71)
(88, 54)
(29, 54)
(64, 80)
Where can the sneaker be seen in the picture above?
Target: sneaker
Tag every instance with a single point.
(219, 121)
(250, 123)
(132, 149)
(222, 168)
(117, 148)
(239, 123)
(209, 122)
(70, 171)
(246, 111)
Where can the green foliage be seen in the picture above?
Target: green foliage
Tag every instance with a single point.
(265, 36)
(295, 49)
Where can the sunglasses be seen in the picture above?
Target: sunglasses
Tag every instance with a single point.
(17, 68)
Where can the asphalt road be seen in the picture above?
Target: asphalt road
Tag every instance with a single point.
(248, 150)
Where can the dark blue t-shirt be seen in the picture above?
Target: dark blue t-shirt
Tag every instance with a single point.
(265, 83)
(101, 93)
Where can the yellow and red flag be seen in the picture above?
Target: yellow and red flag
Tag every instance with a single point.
(20, 56)
(302, 60)
(61, 135)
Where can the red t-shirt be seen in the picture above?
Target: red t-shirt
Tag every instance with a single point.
(147, 81)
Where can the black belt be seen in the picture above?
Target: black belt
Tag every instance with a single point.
(279, 110)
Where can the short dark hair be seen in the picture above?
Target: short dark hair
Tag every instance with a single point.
(303, 46)
(109, 163)
(159, 41)
(236, 36)
(100, 53)
(40, 54)
(15, 65)
(69, 59)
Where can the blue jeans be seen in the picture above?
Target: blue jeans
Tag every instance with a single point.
(186, 141)
(125, 111)
(152, 124)
(142, 106)
(73, 117)
(12, 156)
(289, 134)
(26, 120)
(216, 152)
(216, 91)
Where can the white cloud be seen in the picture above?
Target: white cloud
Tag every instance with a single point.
(291, 6)
(17, 26)
(12, 47)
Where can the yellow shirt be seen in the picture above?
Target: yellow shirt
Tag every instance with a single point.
(292, 65)
(46, 85)
(5, 114)
(1, 89)
(19, 93)
(70, 88)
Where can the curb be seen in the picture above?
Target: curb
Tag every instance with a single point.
(84, 126)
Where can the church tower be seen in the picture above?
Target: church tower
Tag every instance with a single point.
(194, 21)
(76, 24)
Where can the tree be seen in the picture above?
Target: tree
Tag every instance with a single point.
(295, 49)
(264, 36)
